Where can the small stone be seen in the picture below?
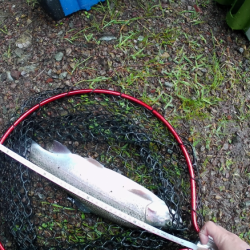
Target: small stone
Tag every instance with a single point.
(107, 38)
(15, 74)
(4, 76)
(60, 33)
(41, 196)
(169, 84)
(29, 22)
(28, 68)
(23, 58)
(68, 51)
(24, 40)
(71, 24)
(54, 76)
(241, 50)
(49, 72)
(165, 55)
(225, 146)
(103, 72)
(72, 65)
(8, 244)
(218, 197)
(18, 52)
(13, 85)
(59, 56)
(9, 77)
(190, 7)
(203, 70)
(140, 38)
(49, 80)
(68, 83)
(248, 203)
(63, 75)
(4, 110)
(199, 73)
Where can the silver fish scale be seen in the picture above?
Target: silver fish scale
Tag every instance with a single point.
(63, 167)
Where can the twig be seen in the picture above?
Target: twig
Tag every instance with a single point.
(39, 74)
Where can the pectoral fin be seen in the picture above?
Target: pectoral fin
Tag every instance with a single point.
(58, 148)
(79, 205)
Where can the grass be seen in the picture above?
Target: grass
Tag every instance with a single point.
(32, 2)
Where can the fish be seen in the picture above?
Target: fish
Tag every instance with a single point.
(111, 187)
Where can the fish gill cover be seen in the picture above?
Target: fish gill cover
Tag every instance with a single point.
(123, 136)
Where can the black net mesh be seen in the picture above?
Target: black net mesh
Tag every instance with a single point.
(123, 136)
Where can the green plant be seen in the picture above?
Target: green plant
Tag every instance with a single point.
(32, 2)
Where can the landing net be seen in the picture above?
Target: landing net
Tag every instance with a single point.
(121, 133)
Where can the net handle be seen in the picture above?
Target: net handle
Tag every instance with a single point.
(137, 101)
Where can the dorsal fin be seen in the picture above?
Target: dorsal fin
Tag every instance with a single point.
(58, 148)
(141, 194)
(95, 162)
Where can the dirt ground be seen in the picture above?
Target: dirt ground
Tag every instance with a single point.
(179, 56)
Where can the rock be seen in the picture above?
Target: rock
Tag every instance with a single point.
(24, 40)
(72, 65)
(68, 51)
(9, 77)
(59, 56)
(103, 72)
(54, 76)
(199, 73)
(190, 7)
(241, 50)
(4, 76)
(140, 38)
(225, 146)
(29, 21)
(169, 84)
(23, 58)
(13, 85)
(71, 24)
(4, 110)
(247, 203)
(28, 68)
(60, 33)
(165, 55)
(63, 75)
(218, 197)
(49, 72)
(15, 74)
(49, 80)
(18, 52)
(107, 38)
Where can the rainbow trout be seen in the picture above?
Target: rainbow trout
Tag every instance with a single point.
(104, 184)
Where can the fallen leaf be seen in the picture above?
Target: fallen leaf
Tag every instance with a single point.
(49, 80)
(197, 9)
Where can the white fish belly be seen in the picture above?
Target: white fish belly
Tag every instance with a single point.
(99, 182)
